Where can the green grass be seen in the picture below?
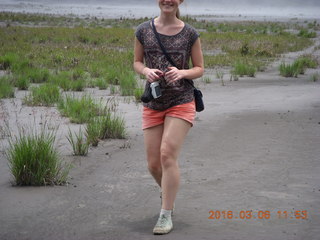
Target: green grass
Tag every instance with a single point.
(307, 34)
(54, 20)
(307, 61)
(112, 126)
(114, 89)
(128, 83)
(105, 127)
(289, 70)
(44, 95)
(22, 82)
(241, 27)
(78, 85)
(80, 145)
(6, 88)
(138, 92)
(36, 75)
(101, 83)
(70, 80)
(7, 60)
(255, 49)
(255, 27)
(75, 80)
(93, 131)
(219, 75)
(61, 79)
(315, 77)
(112, 74)
(298, 66)
(61, 51)
(313, 25)
(243, 69)
(80, 110)
(86, 49)
(33, 160)
(21, 66)
(206, 79)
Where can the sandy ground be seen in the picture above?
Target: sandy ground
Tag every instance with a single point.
(255, 147)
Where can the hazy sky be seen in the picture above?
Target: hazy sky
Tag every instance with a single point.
(275, 3)
(140, 8)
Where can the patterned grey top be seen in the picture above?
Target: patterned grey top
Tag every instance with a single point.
(179, 48)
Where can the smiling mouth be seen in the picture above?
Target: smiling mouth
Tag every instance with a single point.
(168, 4)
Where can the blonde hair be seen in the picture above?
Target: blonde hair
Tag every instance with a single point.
(178, 11)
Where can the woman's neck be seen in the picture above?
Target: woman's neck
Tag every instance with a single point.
(166, 19)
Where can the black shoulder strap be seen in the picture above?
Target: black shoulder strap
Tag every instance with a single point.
(161, 45)
(165, 51)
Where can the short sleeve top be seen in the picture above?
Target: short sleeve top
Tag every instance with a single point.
(178, 47)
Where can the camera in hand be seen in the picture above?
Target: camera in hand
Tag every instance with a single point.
(154, 91)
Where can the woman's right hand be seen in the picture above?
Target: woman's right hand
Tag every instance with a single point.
(152, 75)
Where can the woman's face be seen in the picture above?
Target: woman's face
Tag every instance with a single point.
(169, 6)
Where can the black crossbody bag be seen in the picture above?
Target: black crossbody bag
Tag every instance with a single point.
(197, 93)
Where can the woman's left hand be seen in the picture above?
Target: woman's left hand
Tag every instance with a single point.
(174, 74)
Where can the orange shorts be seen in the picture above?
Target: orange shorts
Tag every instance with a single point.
(152, 118)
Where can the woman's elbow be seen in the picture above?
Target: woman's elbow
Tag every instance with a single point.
(200, 71)
(134, 65)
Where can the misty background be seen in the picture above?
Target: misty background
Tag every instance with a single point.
(148, 8)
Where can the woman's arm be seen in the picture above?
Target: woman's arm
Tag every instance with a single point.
(195, 72)
(138, 65)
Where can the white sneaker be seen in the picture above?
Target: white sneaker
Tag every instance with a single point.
(161, 203)
(164, 225)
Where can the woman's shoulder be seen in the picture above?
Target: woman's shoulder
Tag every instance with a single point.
(190, 28)
(191, 32)
(141, 31)
(143, 25)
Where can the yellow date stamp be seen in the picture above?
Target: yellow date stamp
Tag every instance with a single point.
(257, 214)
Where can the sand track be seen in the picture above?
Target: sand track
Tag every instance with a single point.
(255, 147)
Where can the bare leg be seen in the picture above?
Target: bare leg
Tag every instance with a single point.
(174, 133)
(152, 141)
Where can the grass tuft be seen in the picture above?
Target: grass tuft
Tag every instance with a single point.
(315, 77)
(93, 131)
(297, 67)
(62, 79)
(307, 34)
(80, 145)
(206, 79)
(22, 82)
(128, 83)
(112, 126)
(101, 83)
(79, 110)
(219, 75)
(138, 92)
(45, 95)
(243, 69)
(7, 60)
(289, 70)
(6, 88)
(33, 160)
(35, 75)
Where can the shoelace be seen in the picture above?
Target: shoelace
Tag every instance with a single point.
(163, 220)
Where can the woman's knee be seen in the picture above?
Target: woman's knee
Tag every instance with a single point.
(168, 153)
(154, 167)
